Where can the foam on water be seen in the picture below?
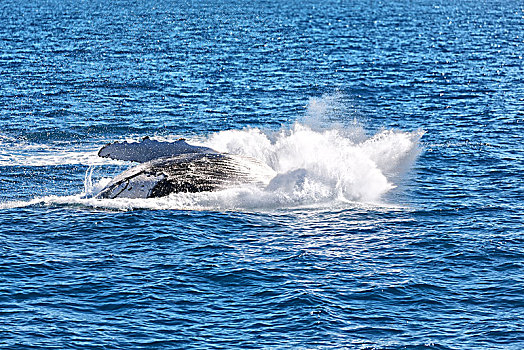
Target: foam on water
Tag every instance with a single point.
(29, 154)
(315, 161)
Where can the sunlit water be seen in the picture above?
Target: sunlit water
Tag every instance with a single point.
(394, 216)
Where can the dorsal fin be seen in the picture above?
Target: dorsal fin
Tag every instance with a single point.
(148, 149)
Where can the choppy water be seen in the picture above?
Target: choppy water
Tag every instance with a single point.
(395, 218)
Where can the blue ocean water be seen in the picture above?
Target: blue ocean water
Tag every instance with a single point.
(394, 127)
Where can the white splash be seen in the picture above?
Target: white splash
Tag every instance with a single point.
(318, 166)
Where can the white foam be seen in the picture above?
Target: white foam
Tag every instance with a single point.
(26, 154)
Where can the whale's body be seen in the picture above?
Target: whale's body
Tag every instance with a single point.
(173, 167)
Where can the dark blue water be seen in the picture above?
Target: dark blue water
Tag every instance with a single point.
(402, 119)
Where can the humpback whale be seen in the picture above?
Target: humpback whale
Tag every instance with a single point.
(172, 167)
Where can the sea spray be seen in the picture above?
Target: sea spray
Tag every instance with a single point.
(325, 165)
(88, 181)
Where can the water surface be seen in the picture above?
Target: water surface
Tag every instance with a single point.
(401, 229)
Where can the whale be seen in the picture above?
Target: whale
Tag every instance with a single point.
(173, 167)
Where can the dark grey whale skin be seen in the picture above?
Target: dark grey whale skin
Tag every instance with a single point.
(194, 172)
(147, 150)
(173, 167)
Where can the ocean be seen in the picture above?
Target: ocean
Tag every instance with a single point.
(394, 130)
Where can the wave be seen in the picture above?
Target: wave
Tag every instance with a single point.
(314, 165)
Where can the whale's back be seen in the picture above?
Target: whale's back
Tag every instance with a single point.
(148, 149)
